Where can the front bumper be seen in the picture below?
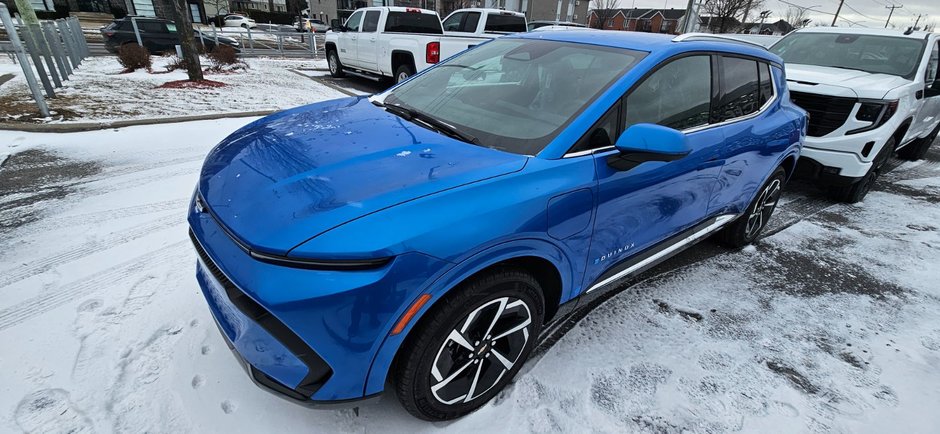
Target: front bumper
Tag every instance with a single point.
(309, 335)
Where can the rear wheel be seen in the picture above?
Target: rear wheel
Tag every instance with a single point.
(470, 345)
(336, 68)
(918, 149)
(403, 73)
(747, 227)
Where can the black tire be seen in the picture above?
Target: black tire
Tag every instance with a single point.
(336, 67)
(857, 191)
(749, 225)
(918, 149)
(403, 73)
(505, 294)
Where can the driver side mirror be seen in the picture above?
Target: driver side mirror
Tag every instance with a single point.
(648, 142)
(336, 25)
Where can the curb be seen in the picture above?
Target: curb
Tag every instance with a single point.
(93, 126)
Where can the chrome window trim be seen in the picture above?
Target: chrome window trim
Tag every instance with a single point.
(760, 111)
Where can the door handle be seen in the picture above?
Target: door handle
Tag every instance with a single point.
(919, 94)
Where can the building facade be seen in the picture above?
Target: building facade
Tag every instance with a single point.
(638, 20)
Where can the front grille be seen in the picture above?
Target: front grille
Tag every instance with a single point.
(826, 113)
(318, 371)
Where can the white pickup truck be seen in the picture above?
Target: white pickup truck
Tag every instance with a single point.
(397, 42)
(870, 93)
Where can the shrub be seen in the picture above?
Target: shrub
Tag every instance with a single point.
(176, 63)
(223, 55)
(133, 57)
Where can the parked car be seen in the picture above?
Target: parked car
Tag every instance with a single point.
(392, 42)
(239, 21)
(870, 93)
(558, 25)
(311, 25)
(423, 237)
(158, 35)
(480, 21)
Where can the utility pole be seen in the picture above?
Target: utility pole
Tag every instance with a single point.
(917, 21)
(687, 27)
(892, 7)
(836, 16)
(763, 16)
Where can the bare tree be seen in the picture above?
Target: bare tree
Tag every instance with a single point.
(724, 13)
(179, 9)
(603, 10)
(795, 16)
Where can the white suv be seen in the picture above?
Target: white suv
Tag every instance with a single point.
(869, 93)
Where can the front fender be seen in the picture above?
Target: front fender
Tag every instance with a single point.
(382, 361)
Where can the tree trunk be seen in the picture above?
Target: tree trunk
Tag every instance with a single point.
(184, 26)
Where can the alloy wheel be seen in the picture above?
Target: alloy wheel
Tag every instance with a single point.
(476, 355)
(402, 76)
(763, 208)
(332, 62)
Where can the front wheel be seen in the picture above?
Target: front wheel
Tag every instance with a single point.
(470, 345)
(918, 149)
(336, 68)
(747, 227)
(857, 191)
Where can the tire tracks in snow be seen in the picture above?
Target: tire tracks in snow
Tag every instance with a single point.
(38, 305)
(98, 216)
(111, 240)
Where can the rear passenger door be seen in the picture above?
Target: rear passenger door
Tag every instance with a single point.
(156, 36)
(755, 130)
(368, 36)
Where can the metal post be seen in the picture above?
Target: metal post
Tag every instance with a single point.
(313, 45)
(136, 31)
(24, 62)
(56, 44)
(215, 36)
(45, 50)
(280, 44)
(251, 42)
(33, 49)
(69, 39)
(179, 52)
(80, 35)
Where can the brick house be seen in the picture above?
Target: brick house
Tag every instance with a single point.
(639, 20)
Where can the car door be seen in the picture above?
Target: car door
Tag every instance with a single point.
(156, 36)
(655, 201)
(347, 42)
(755, 129)
(367, 49)
(929, 112)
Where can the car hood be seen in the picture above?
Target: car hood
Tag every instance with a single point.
(841, 82)
(286, 178)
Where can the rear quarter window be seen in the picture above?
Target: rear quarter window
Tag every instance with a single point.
(413, 22)
(505, 23)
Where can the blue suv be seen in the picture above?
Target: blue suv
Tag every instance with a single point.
(419, 240)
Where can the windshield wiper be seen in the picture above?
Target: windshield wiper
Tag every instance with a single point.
(430, 121)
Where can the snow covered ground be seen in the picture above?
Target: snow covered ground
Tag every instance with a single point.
(832, 323)
(99, 92)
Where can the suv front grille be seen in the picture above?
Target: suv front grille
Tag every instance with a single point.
(318, 371)
(826, 113)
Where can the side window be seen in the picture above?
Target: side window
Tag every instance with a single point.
(470, 22)
(151, 27)
(766, 83)
(677, 95)
(603, 134)
(452, 23)
(371, 23)
(353, 22)
(933, 66)
(739, 88)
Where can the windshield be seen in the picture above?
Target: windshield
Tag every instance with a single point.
(875, 54)
(512, 94)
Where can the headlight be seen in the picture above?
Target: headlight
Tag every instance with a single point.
(876, 112)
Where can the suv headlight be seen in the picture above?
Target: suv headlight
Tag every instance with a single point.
(876, 112)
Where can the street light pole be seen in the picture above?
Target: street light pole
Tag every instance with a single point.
(836, 16)
(892, 7)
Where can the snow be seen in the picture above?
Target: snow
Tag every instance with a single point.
(831, 324)
(99, 92)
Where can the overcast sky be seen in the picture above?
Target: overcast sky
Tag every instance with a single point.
(868, 13)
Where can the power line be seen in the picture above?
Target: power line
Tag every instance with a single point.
(856, 11)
